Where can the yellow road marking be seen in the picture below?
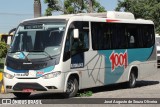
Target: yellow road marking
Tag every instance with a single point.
(0, 76)
(2, 89)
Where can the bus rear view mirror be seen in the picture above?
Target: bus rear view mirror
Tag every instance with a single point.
(76, 33)
(9, 39)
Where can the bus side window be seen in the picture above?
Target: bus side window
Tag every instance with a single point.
(74, 46)
(132, 41)
(148, 36)
(86, 40)
(133, 38)
(81, 44)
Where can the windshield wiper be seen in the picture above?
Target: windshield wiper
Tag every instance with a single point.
(48, 54)
(26, 56)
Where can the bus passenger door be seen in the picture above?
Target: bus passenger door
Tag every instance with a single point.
(85, 62)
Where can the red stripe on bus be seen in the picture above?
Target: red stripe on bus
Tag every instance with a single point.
(110, 20)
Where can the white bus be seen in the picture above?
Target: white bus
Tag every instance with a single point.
(66, 53)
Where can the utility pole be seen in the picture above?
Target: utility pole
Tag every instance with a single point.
(37, 8)
(90, 6)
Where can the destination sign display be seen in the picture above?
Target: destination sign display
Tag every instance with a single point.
(37, 26)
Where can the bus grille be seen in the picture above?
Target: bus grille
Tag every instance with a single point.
(21, 66)
(34, 86)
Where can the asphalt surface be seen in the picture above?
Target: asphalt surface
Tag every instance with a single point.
(147, 88)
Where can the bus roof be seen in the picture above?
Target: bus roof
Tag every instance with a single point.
(110, 16)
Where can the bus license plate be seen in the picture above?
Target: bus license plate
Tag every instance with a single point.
(28, 90)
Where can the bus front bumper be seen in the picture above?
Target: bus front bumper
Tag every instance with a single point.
(54, 85)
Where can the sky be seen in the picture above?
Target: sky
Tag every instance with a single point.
(12, 12)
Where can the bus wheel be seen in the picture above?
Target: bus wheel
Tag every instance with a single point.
(22, 95)
(132, 80)
(72, 87)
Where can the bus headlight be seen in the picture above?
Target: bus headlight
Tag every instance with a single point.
(51, 75)
(9, 76)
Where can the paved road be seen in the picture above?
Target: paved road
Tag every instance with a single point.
(148, 88)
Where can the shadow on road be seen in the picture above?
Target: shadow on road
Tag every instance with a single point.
(146, 83)
(107, 88)
(121, 86)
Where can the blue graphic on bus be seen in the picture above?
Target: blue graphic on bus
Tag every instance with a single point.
(133, 55)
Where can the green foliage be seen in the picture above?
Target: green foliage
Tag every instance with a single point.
(3, 49)
(81, 6)
(2, 65)
(53, 5)
(147, 9)
(85, 94)
(97, 7)
(72, 6)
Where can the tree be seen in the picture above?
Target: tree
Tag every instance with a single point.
(37, 8)
(3, 49)
(72, 6)
(82, 6)
(97, 7)
(147, 9)
(53, 5)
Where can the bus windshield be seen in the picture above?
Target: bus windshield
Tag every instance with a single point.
(36, 38)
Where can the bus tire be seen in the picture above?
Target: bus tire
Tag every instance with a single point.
(22, 95)
(132, 80)
(72, 87)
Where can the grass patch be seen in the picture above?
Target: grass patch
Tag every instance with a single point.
(85, 94)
